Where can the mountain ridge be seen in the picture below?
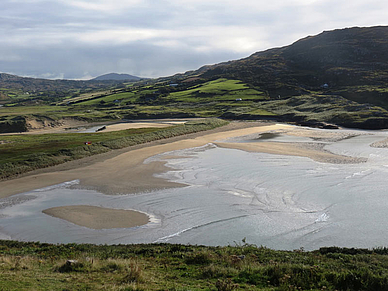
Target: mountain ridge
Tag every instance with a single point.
(342, 57)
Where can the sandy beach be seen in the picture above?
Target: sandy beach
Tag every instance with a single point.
(124, 171)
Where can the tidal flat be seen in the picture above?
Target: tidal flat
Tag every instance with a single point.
(279, 200)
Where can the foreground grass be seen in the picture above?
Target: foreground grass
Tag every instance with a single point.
(35, 266)
(23, 153)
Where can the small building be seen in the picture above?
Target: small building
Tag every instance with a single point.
(238, 99)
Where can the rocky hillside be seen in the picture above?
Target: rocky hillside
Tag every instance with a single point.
(351, 62)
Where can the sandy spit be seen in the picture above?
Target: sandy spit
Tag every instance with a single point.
(312, 151)
(98, 217)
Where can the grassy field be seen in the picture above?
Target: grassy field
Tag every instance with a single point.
(23, 153)
(217, 90)
(11, 95)
(226, 98)
(126, 97)
(29, 110)
(326, 108)
(237, 100)
(208, 99)
(35, 266)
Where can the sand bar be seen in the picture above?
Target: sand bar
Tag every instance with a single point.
(127, 125)
(98, 217)
(312, 151)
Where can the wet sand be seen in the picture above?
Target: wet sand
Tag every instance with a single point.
(98, 217)
(124, 171)
(123, 126)
(380, 144)
(312, 151)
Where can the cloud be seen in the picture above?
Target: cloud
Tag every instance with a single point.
(80, 38)
(102, 5)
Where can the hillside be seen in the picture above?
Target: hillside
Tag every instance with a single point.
(35, 84)
(353, 61)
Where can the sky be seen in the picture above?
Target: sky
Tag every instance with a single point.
(81, 39)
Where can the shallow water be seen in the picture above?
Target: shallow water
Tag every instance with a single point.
(281, 202)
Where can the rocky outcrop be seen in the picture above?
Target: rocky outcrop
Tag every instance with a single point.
(18, 124)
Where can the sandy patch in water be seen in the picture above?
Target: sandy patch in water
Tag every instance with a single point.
(98, 217)
(380, 144)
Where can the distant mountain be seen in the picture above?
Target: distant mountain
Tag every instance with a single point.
(57, 88)
(116, 77)
(36, 85)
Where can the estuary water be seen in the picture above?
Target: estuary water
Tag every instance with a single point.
(282, 202)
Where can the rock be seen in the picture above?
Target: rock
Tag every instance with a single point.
(71, 262)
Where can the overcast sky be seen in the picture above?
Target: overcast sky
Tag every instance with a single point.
(80, 39)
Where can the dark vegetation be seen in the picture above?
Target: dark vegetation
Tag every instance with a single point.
(41, 266)
(353, 58)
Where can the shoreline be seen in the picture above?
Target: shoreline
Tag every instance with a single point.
(124, 171)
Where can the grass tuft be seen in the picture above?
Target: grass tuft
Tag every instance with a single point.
(134, 273)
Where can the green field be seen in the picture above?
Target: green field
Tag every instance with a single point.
(218, 90)
(208, 99)
(123, 97)
(21, 147)
(29, 110)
